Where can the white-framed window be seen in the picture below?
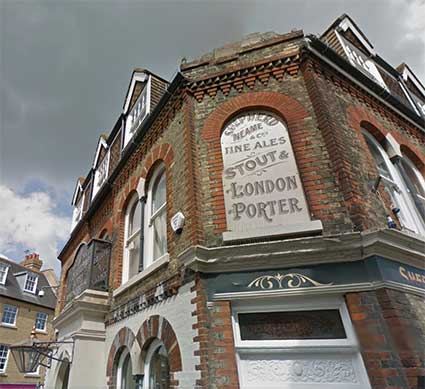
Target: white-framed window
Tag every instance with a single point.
(4, 356)
(156, 217)
(296, 342)
(125, 378)
(77, 214)
(41, 321)
(10, 312)
(3, 273)
(139, 111)
(31, 283)
(101, 174)
(157, 368)
(132, 230)
(404, 184)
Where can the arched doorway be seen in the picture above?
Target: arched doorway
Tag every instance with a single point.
(125, 379)
(63, 375)
(157, 367)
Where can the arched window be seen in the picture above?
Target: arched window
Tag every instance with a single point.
(125, 378)
(156, 217)
(133, 218)
(404, 184)
(157, 368)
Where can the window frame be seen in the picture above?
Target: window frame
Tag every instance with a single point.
(153, 347)
(15, 317)
(408, 215)
(128, 240)
(45, 322)
(6, 358)
(149, 228)
(294, 306)
(4, 273)
(33, 291)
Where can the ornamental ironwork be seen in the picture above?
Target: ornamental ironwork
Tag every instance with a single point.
(90, 269)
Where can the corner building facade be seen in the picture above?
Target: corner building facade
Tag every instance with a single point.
(258, 222)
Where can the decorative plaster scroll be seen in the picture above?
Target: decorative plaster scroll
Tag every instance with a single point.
(284, 281)
(321, 371)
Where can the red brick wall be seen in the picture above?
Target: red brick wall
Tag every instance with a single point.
(391, 331)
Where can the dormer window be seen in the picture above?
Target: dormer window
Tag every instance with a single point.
(3, 273)
(78, 212)
(100, 165)
(141, 107)
(31, 283)
(361, 61)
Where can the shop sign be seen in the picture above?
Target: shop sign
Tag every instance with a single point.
(263, 193)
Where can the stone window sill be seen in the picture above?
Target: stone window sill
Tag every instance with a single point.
(11, 326)
(159, 263)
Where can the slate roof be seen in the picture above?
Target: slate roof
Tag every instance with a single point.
(11, 288)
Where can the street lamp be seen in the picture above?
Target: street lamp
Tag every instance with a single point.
(31, 353)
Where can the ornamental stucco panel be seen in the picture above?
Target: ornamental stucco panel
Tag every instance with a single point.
(263, 193)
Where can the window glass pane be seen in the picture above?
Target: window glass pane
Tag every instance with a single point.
(412, 179)
(159, 375)
(134, 256)
(159, 193)
(30, 283)
(4, 351)
(379, 160)
(9, 314)
(160, 234)
(135, 218)
(127, 375)
(3, 271)
(320, 324)
(40, 321)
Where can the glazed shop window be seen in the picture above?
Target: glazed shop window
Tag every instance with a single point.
(156, 217)
(133, 223)
(41, 321)
(10, 312)
(403, 183)
(4, 354)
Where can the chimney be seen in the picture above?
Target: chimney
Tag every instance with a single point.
(32, 262)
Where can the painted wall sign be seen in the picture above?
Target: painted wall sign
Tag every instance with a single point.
(263, 194)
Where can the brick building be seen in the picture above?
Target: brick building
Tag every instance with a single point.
(258, 222)
(21, 310)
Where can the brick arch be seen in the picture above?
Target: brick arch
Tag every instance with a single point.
(124, 338)
(291, 111)
(415, 156)
(288, 108)
(158, 327)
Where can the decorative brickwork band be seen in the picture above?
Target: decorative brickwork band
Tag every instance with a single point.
(124, 338)
(158, 327)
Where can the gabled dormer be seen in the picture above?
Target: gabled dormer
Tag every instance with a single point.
(414, 89)
(144, 92)
(137, 103)
(345, 37)
(77, 202)
(100, 164)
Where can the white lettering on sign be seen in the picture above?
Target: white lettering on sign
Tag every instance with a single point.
(263, 194)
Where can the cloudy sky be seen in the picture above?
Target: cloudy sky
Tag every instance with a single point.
(65, 67)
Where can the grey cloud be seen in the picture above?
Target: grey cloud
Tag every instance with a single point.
(65, 65)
